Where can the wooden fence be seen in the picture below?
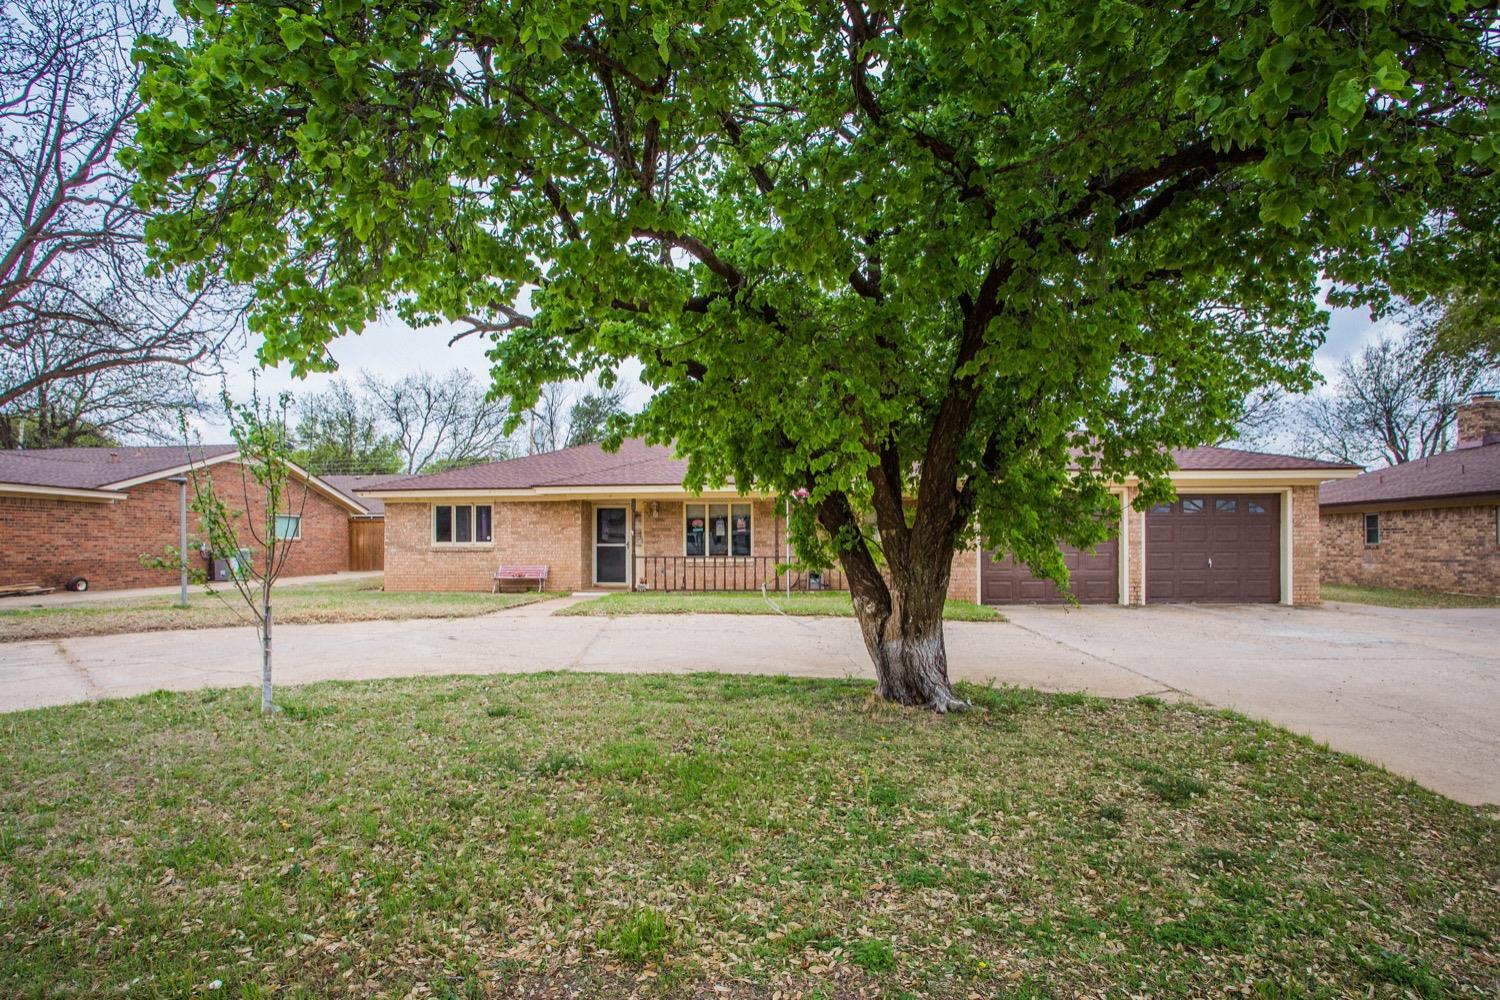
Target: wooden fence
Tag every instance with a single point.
(367, 544)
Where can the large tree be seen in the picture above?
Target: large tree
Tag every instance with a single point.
(589, 418)
(437, 420)
(340, 432)
(959, 264)
(79, 308)
(1389, 403)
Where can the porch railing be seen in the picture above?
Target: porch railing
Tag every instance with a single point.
(729, 573)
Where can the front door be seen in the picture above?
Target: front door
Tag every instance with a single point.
(610, 543)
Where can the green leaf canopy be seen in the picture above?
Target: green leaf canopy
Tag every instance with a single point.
(942, 251)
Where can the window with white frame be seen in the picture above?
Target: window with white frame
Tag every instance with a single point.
(716, 529)
(462, 524)
(288, 527)
(1372, 529)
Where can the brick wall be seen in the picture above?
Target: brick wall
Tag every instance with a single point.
(963, 577)
(560, 536)
(1307, 546)
(1479, 421)
(554, 534)
(1449, 549)
(51, 541)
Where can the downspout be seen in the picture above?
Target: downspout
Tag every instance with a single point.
(631, 538)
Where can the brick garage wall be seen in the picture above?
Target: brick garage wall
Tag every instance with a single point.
(50, 541)
(554, 534)
(963, 577)
(1307, 546)
(1449, 549)
(1135, 569)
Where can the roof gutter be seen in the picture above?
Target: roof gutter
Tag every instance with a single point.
(61, 493)
(1479, 498)
(337, 496)
(1189, 478)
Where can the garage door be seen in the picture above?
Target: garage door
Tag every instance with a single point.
(1214, 547)
(1095, 579)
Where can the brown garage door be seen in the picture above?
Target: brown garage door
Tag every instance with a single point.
(1215, 547)
(1095, 579)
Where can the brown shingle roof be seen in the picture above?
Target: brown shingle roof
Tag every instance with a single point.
(1462, 472)
(641, 464)
(350, 486)
(1211, 459)
(635, 464)
(97, 468)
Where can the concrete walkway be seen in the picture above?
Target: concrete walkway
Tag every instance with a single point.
(1417, 691)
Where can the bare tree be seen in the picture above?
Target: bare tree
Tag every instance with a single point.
(1388, 404)
(440, 418)
(547, 419)
(340, 432)
(274, 498)
(1263, 420)
(101, 407)
(77, 296)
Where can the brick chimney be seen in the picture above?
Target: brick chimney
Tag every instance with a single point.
(1479, 421)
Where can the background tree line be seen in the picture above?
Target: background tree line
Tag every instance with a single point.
(428, 422)
(1396, 398)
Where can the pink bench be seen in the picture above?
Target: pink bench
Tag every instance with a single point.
(510, 574)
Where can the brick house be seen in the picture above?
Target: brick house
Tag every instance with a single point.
(1428, 524)
(91, 513)
(1243, 528)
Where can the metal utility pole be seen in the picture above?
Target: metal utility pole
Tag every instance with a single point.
(182, 484)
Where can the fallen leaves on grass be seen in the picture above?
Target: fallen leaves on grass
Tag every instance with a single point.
(577, 835)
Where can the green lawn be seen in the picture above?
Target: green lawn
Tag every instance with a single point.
(343, 601)
(827, 603)
(1390, 597)
(583, 835)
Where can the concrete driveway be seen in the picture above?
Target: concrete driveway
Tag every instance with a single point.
(1416, 691)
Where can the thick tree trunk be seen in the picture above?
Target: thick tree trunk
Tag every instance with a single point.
(904, 636)
(900, 615)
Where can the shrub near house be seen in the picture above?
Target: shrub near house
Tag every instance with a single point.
(93, 513)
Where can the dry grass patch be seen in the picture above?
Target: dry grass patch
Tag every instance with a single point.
(582, 835)
(295, 604)
(1391, 597)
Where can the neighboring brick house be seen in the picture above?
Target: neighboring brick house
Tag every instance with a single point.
(1428, 524)
(69, 514)
(1244, 528)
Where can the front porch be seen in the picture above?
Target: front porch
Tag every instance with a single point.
(733, 544)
